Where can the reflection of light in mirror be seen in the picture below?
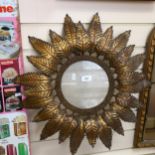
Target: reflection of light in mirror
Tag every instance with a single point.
(85, 84)
(86, 78)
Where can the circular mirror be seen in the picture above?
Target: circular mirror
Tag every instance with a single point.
(84, 84)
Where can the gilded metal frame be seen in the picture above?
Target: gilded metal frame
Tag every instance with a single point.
(43, 90)
(110, 90)
(144, 95)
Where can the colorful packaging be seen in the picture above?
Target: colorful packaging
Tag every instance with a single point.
(9, 44)
(20, 125)
(4, 128)
(12, 98)
(22, 149)
(2, 150)
(9, 70)
(1, 101)
(14, 131)
(11, 150)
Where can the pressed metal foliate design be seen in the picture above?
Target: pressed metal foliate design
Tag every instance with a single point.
(43, 88)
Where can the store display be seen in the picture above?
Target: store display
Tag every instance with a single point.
(14, 132)
(14, 136)
(85, 83)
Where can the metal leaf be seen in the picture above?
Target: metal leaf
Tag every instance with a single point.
(137, 76)
(127, 100)
(124, 75)
(95, 29)
(60, 45)
(40, 87)
(42, 64)
(112, 119)
(120, 42)
(68, 126)
(43, 48)
(31, 79)
(123, 56)
(83, 40)
(91, 130)
(130, 66)
(135, 61)
(139, 86)
(104, 43)
(105, 133)
(46, 92)
(51, 127)
(70, 31)
(130, 78)
(48, 112)
(36, 102)
(77, 137)
(125, 114)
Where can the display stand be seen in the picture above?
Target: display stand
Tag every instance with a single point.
(14, 134)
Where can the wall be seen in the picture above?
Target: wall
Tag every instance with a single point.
(38, 16)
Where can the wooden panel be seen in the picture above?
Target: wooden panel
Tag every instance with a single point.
(139, 32)
(53, 11)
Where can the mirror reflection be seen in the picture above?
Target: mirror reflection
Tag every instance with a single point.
(84, 84)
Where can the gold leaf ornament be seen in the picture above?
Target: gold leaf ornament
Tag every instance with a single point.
(52, 126)
(43, 88)
(112, 119)
(105, 132)
(67, 128)
(77, 137)
(43, 48)
(91, 129)
(37, 102)
(95, 29)
(70, 31)
(49, 112)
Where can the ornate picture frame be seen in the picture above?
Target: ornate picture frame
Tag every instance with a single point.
(148, 68)
(44, 88)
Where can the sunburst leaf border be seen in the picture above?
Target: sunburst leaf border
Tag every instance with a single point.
(43, 88)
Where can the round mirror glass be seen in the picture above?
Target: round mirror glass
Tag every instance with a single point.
(84, 84)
